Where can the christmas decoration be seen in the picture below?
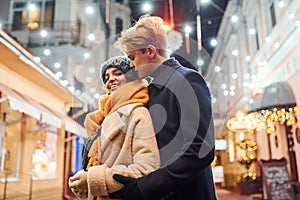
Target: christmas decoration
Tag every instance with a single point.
(174, 40)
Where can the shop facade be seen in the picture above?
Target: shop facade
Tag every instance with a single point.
(37, 141)
(255, 53)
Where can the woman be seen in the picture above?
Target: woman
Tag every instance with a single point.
(127, 143)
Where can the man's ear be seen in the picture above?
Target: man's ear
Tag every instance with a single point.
(151, 51)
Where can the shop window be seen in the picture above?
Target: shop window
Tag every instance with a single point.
(49, 15)
(44, 159)
(253, 36)
(18, 21)
(298, 135)
(78, 155)
(270, 16)
(10, 143)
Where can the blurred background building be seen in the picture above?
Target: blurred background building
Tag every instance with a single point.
(51, 50)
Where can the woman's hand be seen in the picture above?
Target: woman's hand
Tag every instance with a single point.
(78, 184)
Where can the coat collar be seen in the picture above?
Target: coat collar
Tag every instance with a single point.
(127, 109)
(162, 74)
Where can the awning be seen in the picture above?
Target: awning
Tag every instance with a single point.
(47, 115)
(17, 102)
(41, 112)
(279, 94)
(74, 127)
(30, 107)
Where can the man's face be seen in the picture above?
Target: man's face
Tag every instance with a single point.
(139, 60)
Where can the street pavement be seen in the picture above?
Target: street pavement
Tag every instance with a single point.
(225, 194)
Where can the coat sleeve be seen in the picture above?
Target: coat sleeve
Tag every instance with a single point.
(145, 157)
(196, 130)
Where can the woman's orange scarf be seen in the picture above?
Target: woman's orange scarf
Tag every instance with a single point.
(131, 92)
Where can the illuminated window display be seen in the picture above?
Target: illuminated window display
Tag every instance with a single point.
(44, 158)
(44, 151)
(31, 14)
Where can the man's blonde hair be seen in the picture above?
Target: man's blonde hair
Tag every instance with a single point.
(148, 30)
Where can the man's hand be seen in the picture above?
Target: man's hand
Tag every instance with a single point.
(78, 184)
(130, 191)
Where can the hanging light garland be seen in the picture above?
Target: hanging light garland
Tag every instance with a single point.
(249, 147)
(269, 117)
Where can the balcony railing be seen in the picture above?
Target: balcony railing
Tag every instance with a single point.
(59, 32)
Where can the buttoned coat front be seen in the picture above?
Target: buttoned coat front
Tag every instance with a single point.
(128, 147)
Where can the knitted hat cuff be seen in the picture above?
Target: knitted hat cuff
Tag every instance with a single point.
(120, 62)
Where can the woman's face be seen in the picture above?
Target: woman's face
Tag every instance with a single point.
(115, 78)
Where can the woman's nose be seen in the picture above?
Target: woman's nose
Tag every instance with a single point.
(111, 78)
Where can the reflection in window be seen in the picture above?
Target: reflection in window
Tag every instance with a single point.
(44, 158)
(10, 154)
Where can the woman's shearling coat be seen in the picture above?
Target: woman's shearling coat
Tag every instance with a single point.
(128, 147)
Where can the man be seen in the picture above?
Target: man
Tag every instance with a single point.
(180, 106)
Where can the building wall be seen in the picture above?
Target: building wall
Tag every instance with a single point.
(273, 57)
(36, 167)
(48, 188)
(4, 11)
(294, 83)
(63, 10)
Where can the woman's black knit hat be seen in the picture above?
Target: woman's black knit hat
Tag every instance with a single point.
(120, 62)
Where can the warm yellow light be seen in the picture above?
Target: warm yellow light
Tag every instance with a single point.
(166, 27)
(268, 118)
(214, 162)
(33, 25)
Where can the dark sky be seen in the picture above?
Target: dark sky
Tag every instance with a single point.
(185, 11)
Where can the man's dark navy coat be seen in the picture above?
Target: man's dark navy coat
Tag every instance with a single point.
(180, 106)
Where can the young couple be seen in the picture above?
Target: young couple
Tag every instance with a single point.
(135, 157)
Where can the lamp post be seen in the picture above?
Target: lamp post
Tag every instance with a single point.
(171, 14)
(198, 21)
(187, 31)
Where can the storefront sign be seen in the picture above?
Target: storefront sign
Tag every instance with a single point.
(236, 125)
(218, 174)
